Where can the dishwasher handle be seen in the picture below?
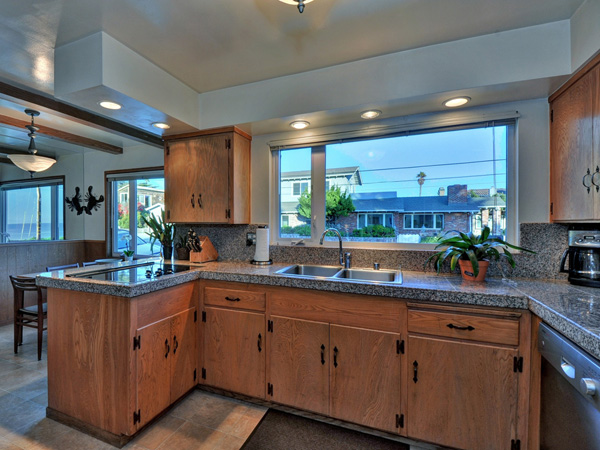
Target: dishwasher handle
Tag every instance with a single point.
(567, 368)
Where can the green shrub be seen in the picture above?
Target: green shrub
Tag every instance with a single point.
(286, 230)
(302, 230)
(374, 231)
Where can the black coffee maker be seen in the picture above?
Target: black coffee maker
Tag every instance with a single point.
(584, 258)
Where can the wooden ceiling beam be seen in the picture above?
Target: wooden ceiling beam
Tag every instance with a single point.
(62, 135)
(81, 115)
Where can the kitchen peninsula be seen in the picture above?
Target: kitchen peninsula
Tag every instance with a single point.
(121, 353)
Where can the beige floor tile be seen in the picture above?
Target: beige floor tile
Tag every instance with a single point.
(73, 440)
(22, 377)
(219, 416)
(41, 399)
(31, 390)
(158, 432)
(15, 413)
(244, 426)
(195, 437)
(38, 434)
(7, 445)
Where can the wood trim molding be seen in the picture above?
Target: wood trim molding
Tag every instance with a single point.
(80, 115)
(594, 61)
(208, 132)
(63, 135)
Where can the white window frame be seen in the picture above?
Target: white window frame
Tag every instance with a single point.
(385, 217)
(317, 186)
(55, 201)
(132, 200)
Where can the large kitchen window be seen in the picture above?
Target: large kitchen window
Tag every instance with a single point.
(32, 210)
(134, 195)
(408, 187)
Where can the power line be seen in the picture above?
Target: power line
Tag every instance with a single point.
(412, 180)
(432, 165)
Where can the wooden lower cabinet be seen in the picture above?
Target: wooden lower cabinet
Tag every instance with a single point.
(365, 377)
(234, 351)
(299, 363)
(461, 394)
(166, 363)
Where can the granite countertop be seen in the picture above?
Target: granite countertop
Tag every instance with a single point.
(572, 310)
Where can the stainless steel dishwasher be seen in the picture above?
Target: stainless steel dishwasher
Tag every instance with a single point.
(570, 397)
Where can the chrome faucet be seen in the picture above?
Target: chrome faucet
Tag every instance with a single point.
(345, 258)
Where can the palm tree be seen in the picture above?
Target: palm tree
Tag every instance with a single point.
(421, 180)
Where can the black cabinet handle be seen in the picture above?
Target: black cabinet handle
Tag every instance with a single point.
(168, 347)
(587, 180)
(259, 342)
(232, 299)
(192, 201)
(323, 354)
(176, 344)
(415, 371)
(199, 200)
(458, 327)
(335, 352)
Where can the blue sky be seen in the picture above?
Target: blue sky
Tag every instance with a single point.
(392, 164)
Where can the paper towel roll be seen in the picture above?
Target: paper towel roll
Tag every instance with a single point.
(262, 245)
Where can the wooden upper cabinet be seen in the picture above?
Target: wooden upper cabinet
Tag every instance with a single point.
(207, 177)
(575, 150)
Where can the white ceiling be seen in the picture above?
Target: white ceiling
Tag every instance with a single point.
(210, 45)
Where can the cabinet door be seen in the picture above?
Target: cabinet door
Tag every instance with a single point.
(153, 369)
(234, 351)
(183, 356)
(365, 377)
(571, 152)
(213, 173)
(181, 164)
(299, 363)
(461, 395)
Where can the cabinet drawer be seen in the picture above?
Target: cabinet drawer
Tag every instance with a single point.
(498, 330)
(233, 298)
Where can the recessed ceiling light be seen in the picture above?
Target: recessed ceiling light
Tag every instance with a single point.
(370, 114)
(299, 124)
(109, 105)
(457, 101)
(161, 125)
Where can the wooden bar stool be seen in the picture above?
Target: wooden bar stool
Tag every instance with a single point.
(28, 316)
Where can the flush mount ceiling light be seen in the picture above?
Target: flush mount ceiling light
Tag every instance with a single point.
(161, 125)
(457, 101)
(31, 162)
(299, 3)
(299, 124)
(109, 105)
(370, 114)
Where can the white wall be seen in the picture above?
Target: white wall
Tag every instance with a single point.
(533, 156)
(585, 33)
(96, 163)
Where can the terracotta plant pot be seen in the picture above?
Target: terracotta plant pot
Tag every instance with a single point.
(466, 270)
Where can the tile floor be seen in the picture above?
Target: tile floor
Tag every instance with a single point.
(201, 421)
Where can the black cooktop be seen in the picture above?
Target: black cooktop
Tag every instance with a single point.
(133, 274)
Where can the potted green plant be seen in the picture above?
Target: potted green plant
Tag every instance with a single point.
(161, 231)
(472, 253)
(181, 250)
(127, 253)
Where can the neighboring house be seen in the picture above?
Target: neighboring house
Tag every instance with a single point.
(458, 209)
(293, 184)
(146, 196)
(429, 215)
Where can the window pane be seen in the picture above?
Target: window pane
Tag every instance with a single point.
(295, 197)
(130, 231)
(29, 214)
(61, 212)
(428, 177)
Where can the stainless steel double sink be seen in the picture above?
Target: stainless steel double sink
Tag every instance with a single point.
(339, 273)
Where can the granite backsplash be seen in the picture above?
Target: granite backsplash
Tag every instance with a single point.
(548, 240)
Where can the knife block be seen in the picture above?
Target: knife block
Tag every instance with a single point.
(208, 253)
